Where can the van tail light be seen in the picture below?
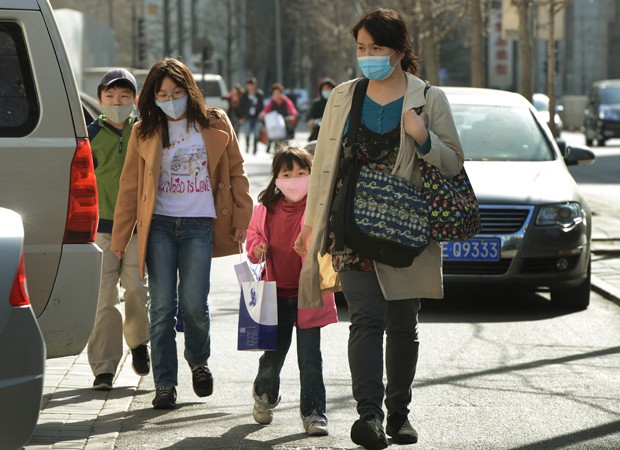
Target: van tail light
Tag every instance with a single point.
(83, 211)
(19, 293)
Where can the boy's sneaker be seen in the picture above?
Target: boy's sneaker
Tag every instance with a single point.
(103, 382)
(400, 429)
(202, 380)
(315, 425)
(165, 398)
(140, 360)
(262, 411)
(369, 433)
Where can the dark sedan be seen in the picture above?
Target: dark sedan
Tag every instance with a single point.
(536, 224)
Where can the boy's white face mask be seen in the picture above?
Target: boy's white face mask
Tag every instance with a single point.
(117, 114)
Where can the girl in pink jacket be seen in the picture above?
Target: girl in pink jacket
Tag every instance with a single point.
(275, 224)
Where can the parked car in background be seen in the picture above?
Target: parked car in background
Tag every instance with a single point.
(21, 344)
(536, 225)
(602, 115)
(541, 103)
(48, 176)
(90, 107)
(213, 88)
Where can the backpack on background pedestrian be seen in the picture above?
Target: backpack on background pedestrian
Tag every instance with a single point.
(315, 114)
(275, 224)
(252, 103)
(185, 188)
(109, 136)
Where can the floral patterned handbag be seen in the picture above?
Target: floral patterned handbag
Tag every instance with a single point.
(453, 212)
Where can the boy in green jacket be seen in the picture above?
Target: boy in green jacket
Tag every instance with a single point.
(109, 136)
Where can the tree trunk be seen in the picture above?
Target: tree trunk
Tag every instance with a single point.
(430, 46)
(477, 49)
(526, 88)
(551, 66)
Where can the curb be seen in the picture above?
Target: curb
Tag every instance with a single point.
(605, 289)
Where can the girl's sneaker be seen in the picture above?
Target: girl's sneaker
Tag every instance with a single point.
(315, 425)
(262, 412)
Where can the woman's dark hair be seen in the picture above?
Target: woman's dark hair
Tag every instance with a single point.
(284, 158)
(153, 119)
(388, 29)
(277, 87)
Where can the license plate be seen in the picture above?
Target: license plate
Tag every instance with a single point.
(481, 249)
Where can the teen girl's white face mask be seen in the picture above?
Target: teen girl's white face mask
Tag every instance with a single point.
(174, 108)
(294, 189)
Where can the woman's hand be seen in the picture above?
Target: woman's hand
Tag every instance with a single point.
(239, 235)
(302, 243)
(119, 254)
(415, 125)
(260, 250)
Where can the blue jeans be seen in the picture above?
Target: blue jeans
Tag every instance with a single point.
(371, 316)
(178, 245)
(251, 126)
(309, 360)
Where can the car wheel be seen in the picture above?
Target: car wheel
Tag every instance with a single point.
(575, 298)
(588, 141)
(601, 142)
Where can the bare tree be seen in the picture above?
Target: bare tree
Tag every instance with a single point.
(553, 8)
(435, 20)
(526, 84)
(477, 44)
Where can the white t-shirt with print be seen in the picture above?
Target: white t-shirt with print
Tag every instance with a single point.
(184, 188)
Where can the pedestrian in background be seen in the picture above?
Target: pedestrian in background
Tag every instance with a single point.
(252, 103)
(315, 114)
(284, 106)
(275, 224)
(381, 299)
(234, 106)
(184, 187)
(109, 136)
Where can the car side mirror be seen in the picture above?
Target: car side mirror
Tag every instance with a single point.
(576, 155)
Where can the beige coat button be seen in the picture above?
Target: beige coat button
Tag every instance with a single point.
(224, 211)
(221, 185)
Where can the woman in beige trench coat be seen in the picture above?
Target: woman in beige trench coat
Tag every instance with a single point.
(381, 299)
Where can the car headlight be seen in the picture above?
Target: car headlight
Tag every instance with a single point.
(564, 215)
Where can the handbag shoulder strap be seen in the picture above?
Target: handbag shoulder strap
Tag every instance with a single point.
(355, 116)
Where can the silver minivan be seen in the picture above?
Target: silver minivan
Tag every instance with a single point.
(47, 174)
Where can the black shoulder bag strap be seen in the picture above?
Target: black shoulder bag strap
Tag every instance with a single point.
(347, 163)
(355, 116)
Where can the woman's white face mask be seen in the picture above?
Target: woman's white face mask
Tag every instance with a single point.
(173, 108)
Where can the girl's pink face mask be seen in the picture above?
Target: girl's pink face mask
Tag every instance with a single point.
(294, 189)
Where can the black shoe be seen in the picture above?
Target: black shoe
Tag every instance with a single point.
(140, 360)
(400, 429)
(202, 380)
(165, 398)
(369, 433)
(103, 382)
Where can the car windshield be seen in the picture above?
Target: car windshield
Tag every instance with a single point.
(610, 95)
(499, 133)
